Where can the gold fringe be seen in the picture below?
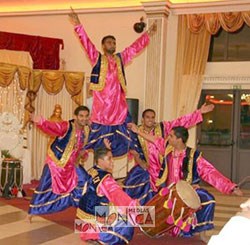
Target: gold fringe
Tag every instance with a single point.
(118, 235)
(134, 186)
(68, 150)
(50, 202)
(206, 203)
(103, 73)
(102, 76)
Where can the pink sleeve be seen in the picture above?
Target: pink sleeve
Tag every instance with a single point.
(53, 128)
(212, 176)
(186, 121)
(114, 193)
(88, 46)
(160, 145)
(130, 52)
(156, 150)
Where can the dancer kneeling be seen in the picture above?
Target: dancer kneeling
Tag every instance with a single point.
(104, 197)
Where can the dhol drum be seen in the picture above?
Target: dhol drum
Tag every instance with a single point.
(174, 207)
(11, 177)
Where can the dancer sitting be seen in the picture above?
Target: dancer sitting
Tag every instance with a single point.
(142, 177)
(182, 162)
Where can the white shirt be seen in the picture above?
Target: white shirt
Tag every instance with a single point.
(235, 232)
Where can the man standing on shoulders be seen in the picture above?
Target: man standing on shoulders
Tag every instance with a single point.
(109, 114)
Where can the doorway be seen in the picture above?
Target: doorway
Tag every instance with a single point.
(224, 134)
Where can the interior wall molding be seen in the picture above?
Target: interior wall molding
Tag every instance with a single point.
(209, 7)
(226, 82)
(156, 9)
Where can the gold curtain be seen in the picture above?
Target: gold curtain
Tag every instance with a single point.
(191, 60)
(7, 73)
(194, 34)
(52, 82)
(230, 22)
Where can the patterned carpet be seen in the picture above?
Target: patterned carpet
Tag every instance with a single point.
(58, 228)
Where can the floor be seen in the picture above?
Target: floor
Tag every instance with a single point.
(58, 228)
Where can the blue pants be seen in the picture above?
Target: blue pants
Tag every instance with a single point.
(44, 201)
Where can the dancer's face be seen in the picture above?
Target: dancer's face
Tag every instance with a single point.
(107, 162)
(148, 120)
(172, 139)
(82, 118)
(109, 46)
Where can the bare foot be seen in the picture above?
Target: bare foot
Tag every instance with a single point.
(29, 218)
(204, 237)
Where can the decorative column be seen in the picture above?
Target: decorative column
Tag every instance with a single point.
(156, 56)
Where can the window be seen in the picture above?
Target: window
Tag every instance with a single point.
(226, 46)
(216, 128)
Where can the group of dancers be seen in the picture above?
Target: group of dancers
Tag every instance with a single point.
(159, 150)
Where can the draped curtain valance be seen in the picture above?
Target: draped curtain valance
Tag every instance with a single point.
(51, 81)
(230, 22)
(7, 73)
(194, 35)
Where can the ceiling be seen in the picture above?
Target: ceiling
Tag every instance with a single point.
(41, 5)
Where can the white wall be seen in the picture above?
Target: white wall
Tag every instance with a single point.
(97, 25)
(227, 75)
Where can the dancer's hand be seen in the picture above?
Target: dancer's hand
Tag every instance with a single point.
(74, 17)
(35, 118)
(83, 155)
(107, 143)
(206, 108)
(133, 127)
(237, 191)
(152, 29)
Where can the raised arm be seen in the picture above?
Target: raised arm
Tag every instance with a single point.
(136, 47)
(87, 44)
(48, 127)
(188, 120)
(135, 129)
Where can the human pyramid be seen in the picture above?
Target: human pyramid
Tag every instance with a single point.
(166, 174)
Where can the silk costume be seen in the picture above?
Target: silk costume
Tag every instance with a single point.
(104, 192)
(192, 168)
(109, 114)
(141, 183)
(62, 180)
